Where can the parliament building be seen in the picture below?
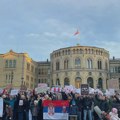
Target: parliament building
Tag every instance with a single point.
(74, 65)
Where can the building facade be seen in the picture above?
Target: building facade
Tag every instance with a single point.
(17, 69)
(44, 72)
(115, 69)
(67, 66)
(80, 65)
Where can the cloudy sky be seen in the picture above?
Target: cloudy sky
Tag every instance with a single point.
(39, 27)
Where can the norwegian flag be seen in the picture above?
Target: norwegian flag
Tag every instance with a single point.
(77, 32)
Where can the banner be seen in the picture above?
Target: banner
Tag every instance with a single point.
(1, 91)
(55, 89)
(1, 107)
(69, 89)
(55, 110)
(41, 89)
(14, 92)
(42, 85)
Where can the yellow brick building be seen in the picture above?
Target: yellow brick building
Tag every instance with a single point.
(17, 69)
(68, 66)
(80, 65)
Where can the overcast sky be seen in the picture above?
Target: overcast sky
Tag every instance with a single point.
(39, 27)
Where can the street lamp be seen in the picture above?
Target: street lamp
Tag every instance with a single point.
(21, 83)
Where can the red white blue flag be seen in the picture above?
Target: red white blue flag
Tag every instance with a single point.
(77, 32)
(55, 110)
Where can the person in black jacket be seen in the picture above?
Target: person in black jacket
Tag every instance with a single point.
(87, 107)
(26, 108)
(40, 108)
(79, 103)
(21, 107)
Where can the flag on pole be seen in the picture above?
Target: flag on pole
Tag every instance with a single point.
(77, 32)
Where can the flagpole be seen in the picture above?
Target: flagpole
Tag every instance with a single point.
(77, 33)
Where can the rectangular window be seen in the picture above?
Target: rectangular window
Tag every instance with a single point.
(32, 69)
(10, 63)
(28, 66)
(6, 63)
(27, 78)
(14, 63)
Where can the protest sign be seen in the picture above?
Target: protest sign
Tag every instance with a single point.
(112, 91)
(55, 89)
(14, 92)
(69, 89)
(42, 85)
(1, 107)
(1, 91)
(41, 89)
(84, 89)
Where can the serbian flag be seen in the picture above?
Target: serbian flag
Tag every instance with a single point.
(55, 110)
(77, 32)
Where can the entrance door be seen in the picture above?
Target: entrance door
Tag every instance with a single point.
(78, 82)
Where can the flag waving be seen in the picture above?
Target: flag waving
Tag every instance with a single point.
(77, 32)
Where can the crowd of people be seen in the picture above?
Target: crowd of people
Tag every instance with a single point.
(20, 106)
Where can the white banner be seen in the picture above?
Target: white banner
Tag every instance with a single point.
(14, 92)
(42, 85)
(69, 89)
(41, 89)
(1, 91)
(1, 107)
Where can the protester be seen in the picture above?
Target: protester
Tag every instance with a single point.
(19, 106)
(114, 114)
(35, 110)
(87, 108)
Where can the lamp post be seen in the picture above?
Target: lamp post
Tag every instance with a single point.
(22, 82)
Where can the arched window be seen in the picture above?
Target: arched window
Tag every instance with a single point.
(106, 65)
(89, 64)
(14, 63)
(81, 51)
(119, 83)
(10, 63)
(6, 63)
(66, 64)
(57, 82)
(118, 69)
(100, 83)
(57, 65)
(99, 64)
(77, 62)
(90, 82)
(66, 81)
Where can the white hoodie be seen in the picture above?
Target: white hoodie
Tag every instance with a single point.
(114, 116)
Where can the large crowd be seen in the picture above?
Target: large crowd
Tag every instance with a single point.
(20, 106)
